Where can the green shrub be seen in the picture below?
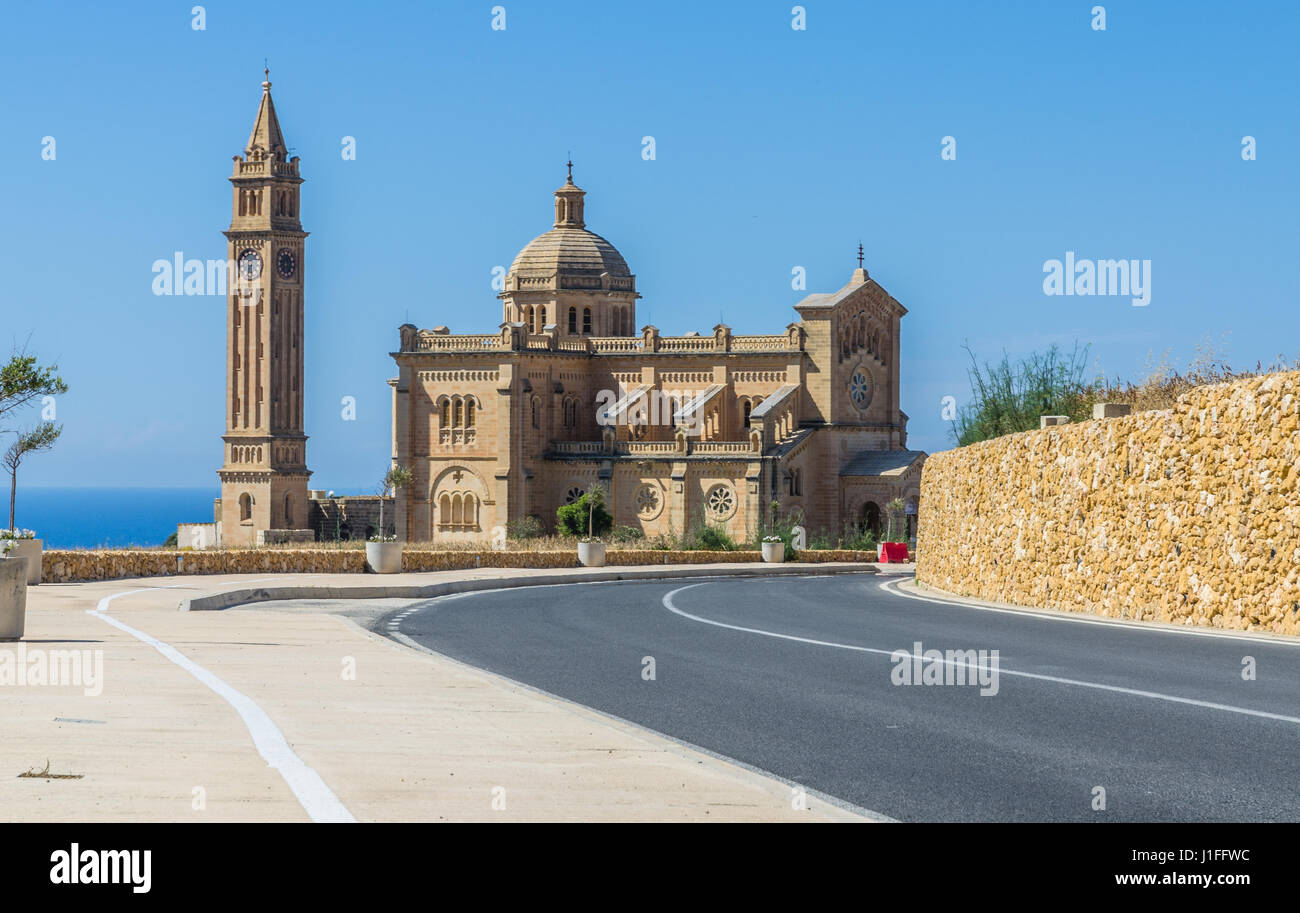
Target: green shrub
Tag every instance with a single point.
(585, 516)
(625, 534)
(525, 528)
(858, 538)
(713, 538)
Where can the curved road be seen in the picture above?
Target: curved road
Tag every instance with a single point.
(794, 676)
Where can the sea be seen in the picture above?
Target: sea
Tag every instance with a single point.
(106, 517)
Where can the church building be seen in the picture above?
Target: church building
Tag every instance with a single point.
(569, 392)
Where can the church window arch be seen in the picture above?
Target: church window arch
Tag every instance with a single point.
(586, 321)
(288, 510)
(245, 507)
(746, 407)
(573, 320)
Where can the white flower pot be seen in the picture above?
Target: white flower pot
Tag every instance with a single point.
(774, 552)
(13, 598)
(384, 557)
(591, 554)
(31, 550)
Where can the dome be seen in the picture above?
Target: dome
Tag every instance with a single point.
(569, 251)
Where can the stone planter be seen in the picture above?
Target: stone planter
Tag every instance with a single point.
(774, 552)
(384, 557)
(591, 554)
(13, 598)
(31, 550)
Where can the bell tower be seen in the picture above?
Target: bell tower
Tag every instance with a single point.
(264, 474)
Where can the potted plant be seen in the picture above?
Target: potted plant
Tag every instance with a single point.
(22, 543)
(13, 593)
(587, 517)
(892, 549)
(384, 552)
(773, 549)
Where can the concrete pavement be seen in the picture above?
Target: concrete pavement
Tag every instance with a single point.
(392, 733)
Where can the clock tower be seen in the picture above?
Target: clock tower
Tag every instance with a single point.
(264, 474)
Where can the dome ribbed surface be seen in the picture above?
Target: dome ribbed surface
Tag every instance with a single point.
(569, 251)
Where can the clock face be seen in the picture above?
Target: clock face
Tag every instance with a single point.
(250, 265)
(286, 264)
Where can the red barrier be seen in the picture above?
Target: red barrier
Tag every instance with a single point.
(893, 552)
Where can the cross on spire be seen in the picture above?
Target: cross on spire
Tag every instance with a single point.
(859, 255)
(570, 164)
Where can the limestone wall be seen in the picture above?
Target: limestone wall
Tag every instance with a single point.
(70, 566)
(1189, 515)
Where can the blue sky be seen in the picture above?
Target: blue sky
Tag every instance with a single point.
(775, 148)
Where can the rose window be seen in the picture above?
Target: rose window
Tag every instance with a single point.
(648, 501)
(860, 388)
(720, 502)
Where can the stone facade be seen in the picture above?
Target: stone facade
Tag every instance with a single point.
(1189, 515)
(567, 393)
(352, 517)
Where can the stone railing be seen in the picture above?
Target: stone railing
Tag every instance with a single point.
(760, 343)
(646, 448)
(615, 343)
(577, 447)
(445, 342)
(686, 344)
(706, 448)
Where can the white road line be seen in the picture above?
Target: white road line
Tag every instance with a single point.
(317, 799)
(892, 587)
(1152, 695)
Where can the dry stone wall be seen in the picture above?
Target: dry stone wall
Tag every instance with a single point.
(70, 566)
(1189, 515)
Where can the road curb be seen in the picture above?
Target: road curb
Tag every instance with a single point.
(246, 595)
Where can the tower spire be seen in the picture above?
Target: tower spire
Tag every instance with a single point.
(266, 135)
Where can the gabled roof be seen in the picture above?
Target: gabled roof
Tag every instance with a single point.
(777, 398)
(881, 462)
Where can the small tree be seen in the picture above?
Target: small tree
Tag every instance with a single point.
(894, 512)
(22, 382)
(35, 440)
(395, 478)
(586, 516)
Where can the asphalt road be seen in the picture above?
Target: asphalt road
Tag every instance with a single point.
(1163, 722)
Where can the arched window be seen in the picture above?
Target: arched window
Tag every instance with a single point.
(444, 509)
(245, 506)
(573, 320)
(541, 319)
(586, 320)
(747, 407)
(469, 413)
(871, 517)
(457, 508)
(288, 510)
(455, 412)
